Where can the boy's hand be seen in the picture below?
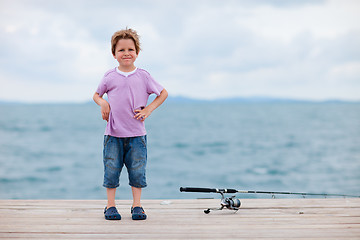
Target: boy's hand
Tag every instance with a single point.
(142, 114)
(105, 110)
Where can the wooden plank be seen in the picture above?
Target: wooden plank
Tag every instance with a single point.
(268, 220)
(182, 219)
(164, 236)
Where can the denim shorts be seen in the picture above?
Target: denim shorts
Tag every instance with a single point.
(132, 153)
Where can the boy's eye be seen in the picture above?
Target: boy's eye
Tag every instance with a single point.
(122, 50)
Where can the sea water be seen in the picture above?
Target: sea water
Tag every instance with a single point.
(54, 151)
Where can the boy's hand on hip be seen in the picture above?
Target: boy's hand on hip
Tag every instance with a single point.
(105, 110)
(142, 114)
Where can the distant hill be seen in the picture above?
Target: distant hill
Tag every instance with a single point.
(254, 99)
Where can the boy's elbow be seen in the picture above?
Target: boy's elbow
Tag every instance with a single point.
(96, 96)
(164, 93)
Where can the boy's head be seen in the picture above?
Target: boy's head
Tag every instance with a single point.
(125, 34)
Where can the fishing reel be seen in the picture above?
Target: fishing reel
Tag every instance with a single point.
(230, 203)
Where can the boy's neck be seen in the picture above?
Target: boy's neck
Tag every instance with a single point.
(127, 69)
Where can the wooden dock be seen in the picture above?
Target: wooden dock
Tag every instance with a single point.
(182, 219)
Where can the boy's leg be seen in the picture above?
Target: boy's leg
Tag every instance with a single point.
(110, 197)
(135, 161)
(136, 192)
(110, 212)
(137, 211)
(113, 163)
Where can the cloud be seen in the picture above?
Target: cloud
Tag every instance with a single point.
(201, 49)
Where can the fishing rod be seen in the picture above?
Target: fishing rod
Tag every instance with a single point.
(233, 203)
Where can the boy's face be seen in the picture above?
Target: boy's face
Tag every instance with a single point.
(125, 54)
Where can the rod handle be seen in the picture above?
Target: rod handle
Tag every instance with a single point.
(206, 190)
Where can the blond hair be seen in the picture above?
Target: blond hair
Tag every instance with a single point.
(127, 33)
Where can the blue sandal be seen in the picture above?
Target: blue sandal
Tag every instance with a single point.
(138, 213)
(112, 214)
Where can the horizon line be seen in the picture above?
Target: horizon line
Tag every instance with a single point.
(184, 99)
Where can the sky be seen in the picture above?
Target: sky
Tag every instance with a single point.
(58, 51)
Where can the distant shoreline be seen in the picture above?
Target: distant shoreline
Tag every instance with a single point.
(180, 99)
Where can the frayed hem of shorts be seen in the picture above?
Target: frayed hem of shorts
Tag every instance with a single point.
(144, 186)
(106, 186)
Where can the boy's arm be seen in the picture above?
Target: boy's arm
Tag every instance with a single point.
(144, 113)
(105, 107)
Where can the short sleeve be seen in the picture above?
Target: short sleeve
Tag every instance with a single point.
(153, 86)
(102, 88)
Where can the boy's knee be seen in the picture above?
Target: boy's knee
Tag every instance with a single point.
(137, 179)
(111, 178)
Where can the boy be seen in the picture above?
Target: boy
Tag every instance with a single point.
(128, 89)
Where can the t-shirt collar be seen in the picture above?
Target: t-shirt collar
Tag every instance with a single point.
(125, 73)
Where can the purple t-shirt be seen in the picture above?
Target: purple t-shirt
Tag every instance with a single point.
(125, 95)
